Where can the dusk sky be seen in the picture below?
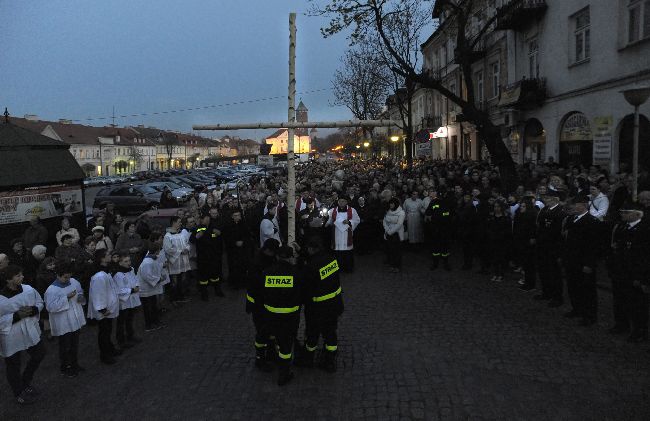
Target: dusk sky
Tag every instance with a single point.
(77, 59)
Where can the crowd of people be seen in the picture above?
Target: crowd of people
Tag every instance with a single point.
(550, 227)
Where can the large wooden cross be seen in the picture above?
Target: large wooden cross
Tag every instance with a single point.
(291, 125)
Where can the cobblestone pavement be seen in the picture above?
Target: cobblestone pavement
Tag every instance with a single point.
(417, 345)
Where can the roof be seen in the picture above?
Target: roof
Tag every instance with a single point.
(27, 157)
(297, 132)
(301, 107)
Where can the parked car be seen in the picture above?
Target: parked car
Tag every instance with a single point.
(129, 199)
(181, 194)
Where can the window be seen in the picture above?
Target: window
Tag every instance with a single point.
(533, 61)
(582, 35)
(638, 26)
(496, 79)
(479, 88)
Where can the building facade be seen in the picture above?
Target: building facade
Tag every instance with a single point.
(279, 140)
(550, 74)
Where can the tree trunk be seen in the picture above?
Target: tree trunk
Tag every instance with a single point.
(500, 155)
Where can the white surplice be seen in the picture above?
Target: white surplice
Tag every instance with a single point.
(341, 229)
(66, 314)
(177, 249)
(414, 220)
(103, 294)
(25, 333)
(153, 275)
(126, 281)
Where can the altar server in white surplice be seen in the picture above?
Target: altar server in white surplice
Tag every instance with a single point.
(63, 301)
(20, 307)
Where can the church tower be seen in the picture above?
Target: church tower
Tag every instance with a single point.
(302, 113)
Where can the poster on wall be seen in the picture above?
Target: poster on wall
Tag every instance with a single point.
(423, 149)
(602, 152)
(18, 206)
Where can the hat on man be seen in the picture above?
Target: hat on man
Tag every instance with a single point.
(98, 228)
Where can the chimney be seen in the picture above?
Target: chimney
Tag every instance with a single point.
(65, 121)
(31, 117)
(140, 126)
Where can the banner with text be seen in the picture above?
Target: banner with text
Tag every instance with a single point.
(603, 127)
(47, 202)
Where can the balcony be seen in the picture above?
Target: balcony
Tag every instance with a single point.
(478, 53)
(432, 121)
(519, 14)
(526, 94)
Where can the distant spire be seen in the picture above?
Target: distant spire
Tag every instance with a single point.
(6, 114)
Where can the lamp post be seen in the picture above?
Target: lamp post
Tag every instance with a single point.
(636, 97)
(394, 139)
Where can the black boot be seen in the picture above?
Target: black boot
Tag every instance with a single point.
(304, 357)
(328, 361)
(271, 352)
(217, 290)
(204, 293)
(445, 263)
(434, 264)
(261, 360)
(284, 373)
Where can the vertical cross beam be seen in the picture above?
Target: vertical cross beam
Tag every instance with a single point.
(291, 182)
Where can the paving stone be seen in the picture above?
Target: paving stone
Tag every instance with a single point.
(421, 345)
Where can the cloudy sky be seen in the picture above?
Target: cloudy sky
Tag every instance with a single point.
(77, 59)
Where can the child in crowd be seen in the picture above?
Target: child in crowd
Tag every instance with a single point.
(20, 307)
(104, 306)
(153, 276)
(128, 285)
(64, 300)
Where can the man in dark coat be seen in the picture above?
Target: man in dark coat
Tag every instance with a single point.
(580, 259)
(549, 246)
(239, 245)
(35, 234)
(629, 270)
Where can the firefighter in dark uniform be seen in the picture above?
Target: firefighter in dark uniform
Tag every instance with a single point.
(580, 258)
(549, 248)
(254, 289)
(323, 306)
(209, 249)
(281, 298)
(628, 267)
(437, 219)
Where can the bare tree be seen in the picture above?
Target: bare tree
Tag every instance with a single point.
(362, 83)
(169, 141)
(373, 18)
(136, 156)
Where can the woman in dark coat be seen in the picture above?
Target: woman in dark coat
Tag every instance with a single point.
(524, 229)
(45, 275)
(499, 230)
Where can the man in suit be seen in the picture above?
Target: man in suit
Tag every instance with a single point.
(628, 264)
(549, 246)
(581, 253)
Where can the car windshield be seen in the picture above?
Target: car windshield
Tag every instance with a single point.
(148, 190)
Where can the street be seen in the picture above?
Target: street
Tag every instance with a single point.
(416, 345)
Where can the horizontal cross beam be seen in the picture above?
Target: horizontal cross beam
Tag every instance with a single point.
(299, 125)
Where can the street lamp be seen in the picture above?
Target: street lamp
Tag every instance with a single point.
(394, 138)
(366, 144)
(636, 97)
